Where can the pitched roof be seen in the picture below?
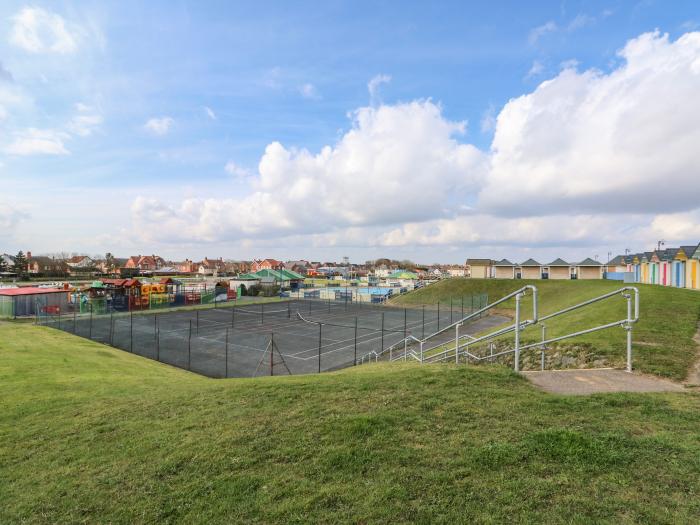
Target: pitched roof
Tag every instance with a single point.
(530, 262)
(618, 259)
(559, 262)
(588, 262)
(688, 250)
(28, 290)
(504, 262)
(479, 261)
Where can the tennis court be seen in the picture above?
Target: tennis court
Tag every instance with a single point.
(287, 337)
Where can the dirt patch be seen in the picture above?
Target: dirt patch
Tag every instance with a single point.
(693, 379)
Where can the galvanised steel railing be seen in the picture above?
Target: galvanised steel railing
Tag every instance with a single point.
(462, 348)
(517, 294)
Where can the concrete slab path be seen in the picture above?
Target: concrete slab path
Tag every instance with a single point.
(593, 381)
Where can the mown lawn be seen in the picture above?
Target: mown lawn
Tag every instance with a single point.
(662, 340)
(92, 434)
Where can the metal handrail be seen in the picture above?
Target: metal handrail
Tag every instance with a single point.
(519, 293)
(626, 323)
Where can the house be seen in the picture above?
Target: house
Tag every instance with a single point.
(531, 269)
(266, 264)
(478, 268)
(504, 269)
(589, 269)
(457, 271)
(46, 266)
(300, 267)
(81, 262)
(557, 269)
(211, 267)
(186, 266)
(145, 262)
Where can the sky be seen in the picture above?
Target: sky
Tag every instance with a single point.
(430, 131)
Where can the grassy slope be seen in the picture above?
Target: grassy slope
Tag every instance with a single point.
(89, 433)
(662, 340)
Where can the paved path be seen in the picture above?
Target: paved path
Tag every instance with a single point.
(593, 381)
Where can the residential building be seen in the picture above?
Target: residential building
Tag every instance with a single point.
(478, 268)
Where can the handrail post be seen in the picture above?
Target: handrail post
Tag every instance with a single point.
(405, 349)
(421, 352)
(544, 347)
(628, 328)
(517, 332)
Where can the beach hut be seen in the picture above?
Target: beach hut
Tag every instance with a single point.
(589, 269)
(558, 269)
(692, 270)
(531, 269)
(504, 269)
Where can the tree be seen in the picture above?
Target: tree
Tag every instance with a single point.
(21, 264)
(109, 262)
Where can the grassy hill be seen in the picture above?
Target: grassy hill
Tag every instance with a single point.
(662, 340)
(93, 434)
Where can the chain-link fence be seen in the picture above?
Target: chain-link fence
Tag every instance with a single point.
(288, 337)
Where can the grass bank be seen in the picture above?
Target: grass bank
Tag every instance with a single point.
(93, 434)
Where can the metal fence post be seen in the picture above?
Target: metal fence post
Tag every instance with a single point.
(131, 331)
(421, 352)
(90, 334)
(517, 332)
(438, 315)
(320, 338)
(462, 300)
(451, 298)
(382, 332)
(355, 358)
(233, 316)
(74, 318)
(189, 348)
(272, 353)
(628, 327)
(423, 323)
(111, 326)
(457, 343)
(289, 309)
(157, 336)
(405, 321)
(197, 315)
(226, 365)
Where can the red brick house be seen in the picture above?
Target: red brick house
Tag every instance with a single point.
(267, 264)
(212, 266)
(145, 262)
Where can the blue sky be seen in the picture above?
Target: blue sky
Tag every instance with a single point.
(117, 119)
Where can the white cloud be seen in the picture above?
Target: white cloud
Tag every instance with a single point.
(38, 142)
(159, 126)
(586, 159)
(540, 31)
(5, 75)
(10, 216)
(396, 163)
(209, 112)
(86, 122)
(39, 31)
(535, 70)
(237, 171)
(308, 91)
(374, 84)
(579, 21)
(619, 142)
(488, 120)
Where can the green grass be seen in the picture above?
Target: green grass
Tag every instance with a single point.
(91, 434)
(662, 340)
